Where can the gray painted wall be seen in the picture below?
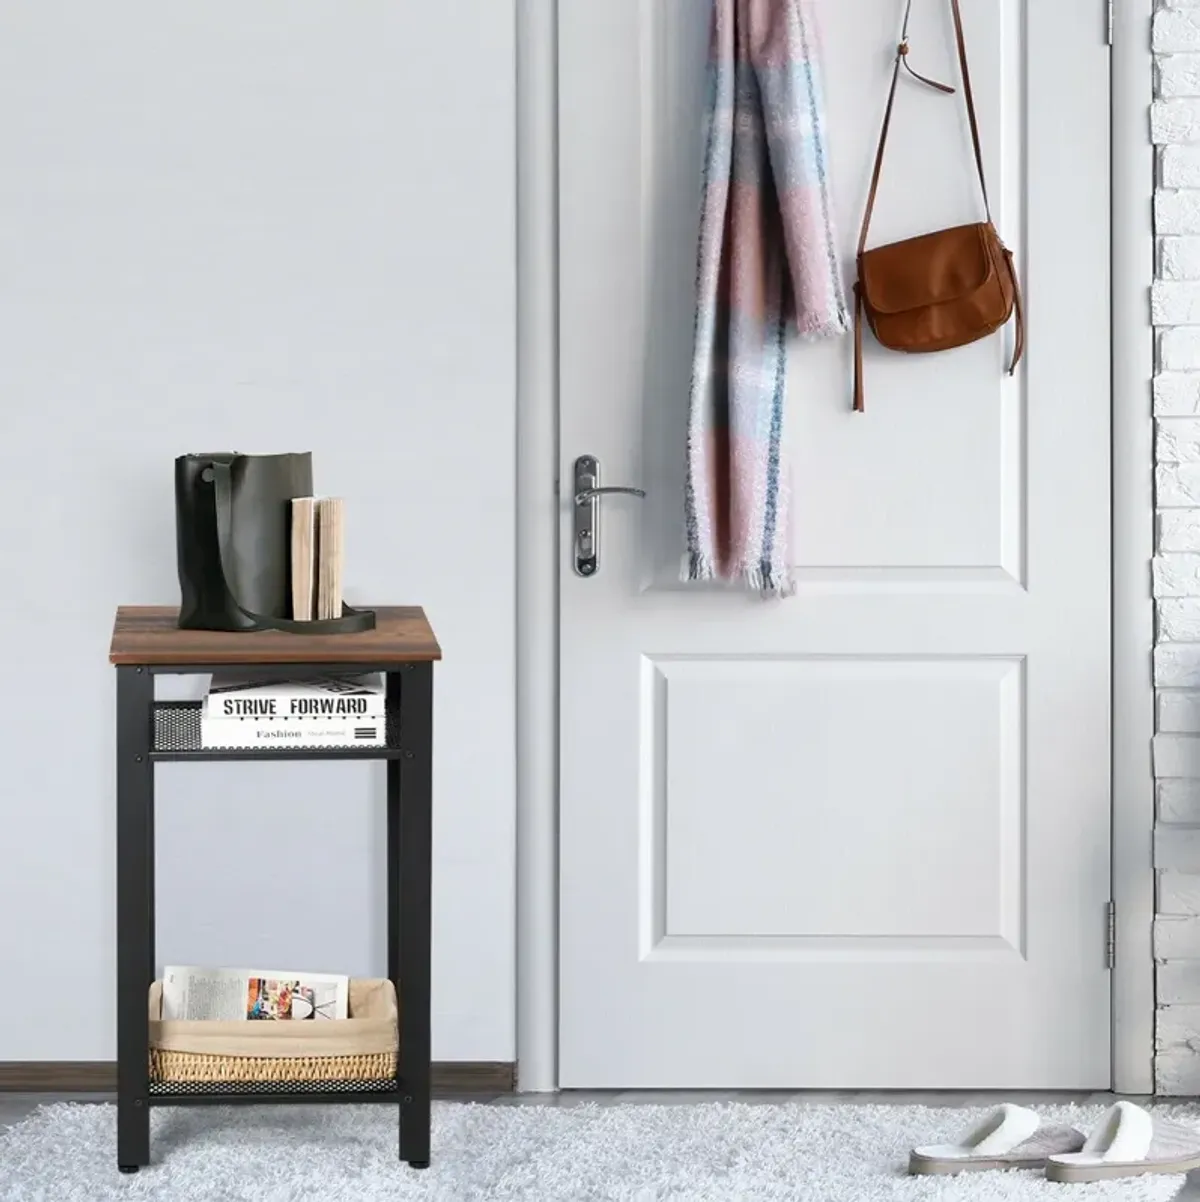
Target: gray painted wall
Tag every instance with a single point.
(278, 226)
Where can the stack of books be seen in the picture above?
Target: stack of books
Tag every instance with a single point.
(318, 554)
(326, 711)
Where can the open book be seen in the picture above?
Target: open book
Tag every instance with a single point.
(317, 557)
(234, 993)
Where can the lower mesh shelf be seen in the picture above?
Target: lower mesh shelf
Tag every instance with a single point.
(264, 1088)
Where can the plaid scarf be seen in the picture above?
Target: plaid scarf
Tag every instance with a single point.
(768, 255)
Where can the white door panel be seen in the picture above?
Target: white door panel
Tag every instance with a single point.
(830, 841)
(940, 794)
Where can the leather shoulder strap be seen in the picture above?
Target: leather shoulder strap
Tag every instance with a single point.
(969, 96)
(902, 62)
(352, 621)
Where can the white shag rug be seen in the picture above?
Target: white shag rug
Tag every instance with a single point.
(715, 1152)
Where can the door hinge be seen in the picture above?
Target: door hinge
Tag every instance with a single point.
(1110, 935)
(1109, 36)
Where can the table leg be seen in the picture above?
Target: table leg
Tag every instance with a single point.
(393, 856)
(393, 845)
(135, 912)
(416, 847)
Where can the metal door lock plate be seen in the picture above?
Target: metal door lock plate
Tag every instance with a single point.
(587, 515)
(586, 503)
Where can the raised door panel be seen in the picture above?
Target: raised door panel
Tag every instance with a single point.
(834, 806)
(929, 484)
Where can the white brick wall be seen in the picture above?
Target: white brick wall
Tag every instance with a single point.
(1179, 167)
(1175, 304)
(1176, 394)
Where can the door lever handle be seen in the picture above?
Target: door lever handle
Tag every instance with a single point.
(586, 503)
(585, 495)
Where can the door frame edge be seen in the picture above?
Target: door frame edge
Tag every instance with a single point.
(1132, 198)
(537, 546)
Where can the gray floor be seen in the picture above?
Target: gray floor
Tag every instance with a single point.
(15, 1106)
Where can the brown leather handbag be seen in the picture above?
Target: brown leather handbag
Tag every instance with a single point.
(938, 290)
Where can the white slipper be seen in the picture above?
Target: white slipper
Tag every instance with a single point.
(1128, 1142)
(1009, 1138)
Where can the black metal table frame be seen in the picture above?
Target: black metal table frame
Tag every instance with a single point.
(409, 845)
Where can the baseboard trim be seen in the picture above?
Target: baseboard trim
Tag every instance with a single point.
(58, 1076)
(100, 1076)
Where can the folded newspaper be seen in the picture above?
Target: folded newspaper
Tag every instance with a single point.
(226, 994)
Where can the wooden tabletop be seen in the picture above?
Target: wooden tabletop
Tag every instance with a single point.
(148, 634)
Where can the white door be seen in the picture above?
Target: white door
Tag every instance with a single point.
(860, 837)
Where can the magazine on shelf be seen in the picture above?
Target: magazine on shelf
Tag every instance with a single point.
(233, 994)
(327, 697)
(218, 733)
(321, 711)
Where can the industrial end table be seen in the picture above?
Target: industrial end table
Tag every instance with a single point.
(147, 642)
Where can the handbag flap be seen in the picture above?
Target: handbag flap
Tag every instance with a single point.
(929, 270)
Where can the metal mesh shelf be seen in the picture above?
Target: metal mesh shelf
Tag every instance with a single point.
(380, 1085)
(185, 1093)
(177, 737)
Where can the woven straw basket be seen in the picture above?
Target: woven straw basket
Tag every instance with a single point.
(359, 1048)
